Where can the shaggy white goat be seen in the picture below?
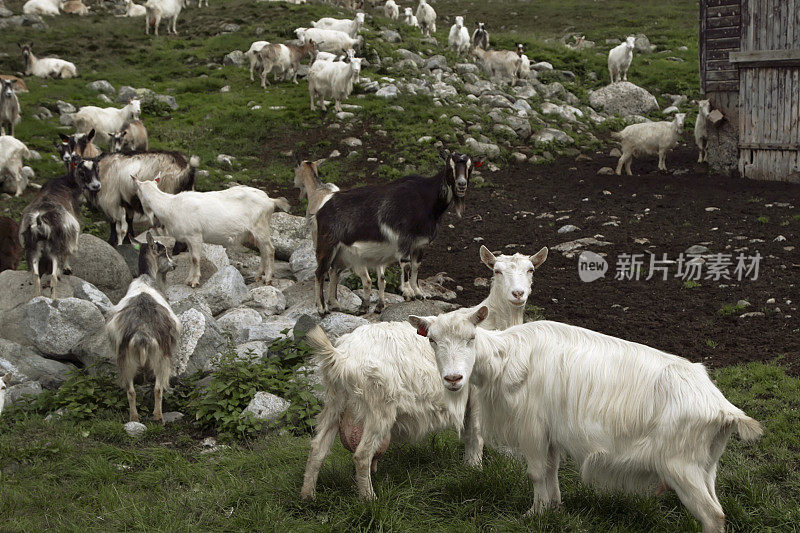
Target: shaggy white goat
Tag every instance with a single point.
(350, 27)
(500, 64)
(391, 10)
(132, 137)
(41, 7)
(333, 41)
(218, 217)
(410, 18)
(458, 40)
(701, 129)
(649, 138)
(9, 107)
(381, 382)
(133, 9)
(105, 120)
(426, 17)
(631, 416)
(253, 56)
(619, 60)
(46, 67)
(332, 80)
(12, 152)
(158, 9)
(4, 381)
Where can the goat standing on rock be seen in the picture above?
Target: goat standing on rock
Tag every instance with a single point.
(374, 226)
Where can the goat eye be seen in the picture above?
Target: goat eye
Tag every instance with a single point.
(530, 271)
(498, 272)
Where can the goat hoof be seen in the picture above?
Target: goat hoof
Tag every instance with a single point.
(379, 308)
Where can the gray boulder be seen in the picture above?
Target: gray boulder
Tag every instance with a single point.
(101, 86)
(190, 301)
(224, 290)
(251, 350)
(303, 261)
(86, 291)
(642, 44)
(268, 330)
(200, 345)
(183, 265)
(288, 233)
(303, 325)
(387, 91)
(400, 312)
(27, 365)
(338, 324)
(548, 135)
(623, 98)
(266, 406)
(16, 392)
(237, 320)
(55, 327)
(390, 36)
(479, 148)
(409, 55)
(300, 299)
(134, 429)
(98, 263)
(95, 352)
(126, 92)
(235, 58)
(437, 61)
(267, 299)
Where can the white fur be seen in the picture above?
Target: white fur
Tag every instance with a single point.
(410, 18)
(332, 80)
(619, 60)
(284, 59)
(649, 138)
(133, 9)
(629, 415)
(501, 64)
(459, 40)
(104, 120)
(50, 67)
(4, 381)
(701, 129)
(385, 379)
(9, 107)
(133, 136)
(426, 16)
(333, 41)
(391, 9)
(326, 56)
(41, 7)
(254, 57)
(218, 217)
(74, 7)
(158, 9)
(350, 27)
(12, 152)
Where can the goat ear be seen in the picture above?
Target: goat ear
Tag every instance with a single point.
(64, 138)
(480, 315)
(7, 378)
(487, 257)
(90, 135)
(420, 323)
(318, 162)
(444, 154)
(539, 257)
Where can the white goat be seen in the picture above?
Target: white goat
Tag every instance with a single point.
(41, 7)
(333, 41)
(629, 415)
(4, 381)
(46, 67)
(701, 129)
(133, 9)
(332, 80)
(327, 56)
(12, 152)
(105, 120)
(74, 7)
(350, 27)
(158, 9)
(253, 57)
(132, 137)
(426, 17)
(391, 10)
(410, 18)
(619, 60)
(500, 64)
(217, 217)
(458, 40)
(649, 138)
(380, 381)
(9, 106)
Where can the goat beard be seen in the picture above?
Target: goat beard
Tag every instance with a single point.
(458, 204)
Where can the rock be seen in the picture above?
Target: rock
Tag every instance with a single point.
(252, 350)
(268, 331)
(437, 61)
(65, 120)
(496, 101)
(86, 291)
(504, 130)
(101, 86)
(224, 290)
(526, 91)
(387, 91)
(300, 300)
(183, 265)
(520, 125)
(338, 324)
(568, 228)
(304, 324)
(27, 365)
(519, 157)
(411, 56)
(20, 390)
(235, 58)
(670, 110)
(55, 327)
(444, 91)
(266, 406)
(623, 98)
(99, 263)
(642, 44)
(352, 142)
(479, 148)
(390, 36)
(605, 171)
(579, 243)
(65, 108)
(267, 299)
(752, 314)
(17, 287)
(303, 262)
(522, 106)
(200, 344)
(227, 89)
(697, 249)
(237, 320)
(105, 99)
(171, 417)
(125, 94)
(344, 115)
(95, 352)
(167, 100)
(566, 112)
(135, 429)
(548, 135)
(42, 113)
(541, 65)
(467, 68)
(400, 312)
(615, 152)
(288, 233)
(216, 254)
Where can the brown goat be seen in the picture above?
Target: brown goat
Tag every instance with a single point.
(10, 249)
(284, 58)
(132, 137)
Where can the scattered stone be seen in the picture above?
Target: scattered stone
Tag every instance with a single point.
(642, 44)
(135, 429)
(605, 171)
(170, 417)
(267, 406)
(237, 320)
(65, 108)
(235, 58)
(304, 324)
(391, 36)
(400, 312)
(568, 228)
(542, 65)
(387, 91)
(571, 246)
(27, 365)
(337, 324)
(697, 249)
(289, 232)
(303, 262)
(670, 110)
(752, 314)
(623, 98)
(101, 86)
(352, 142)
(268, 299)
(548, 135)
(21, 390)
(480, 148)
(268, 331)
(200, 343)
(224, 290)
(615, 152)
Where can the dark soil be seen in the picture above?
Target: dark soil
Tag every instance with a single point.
(669, 211)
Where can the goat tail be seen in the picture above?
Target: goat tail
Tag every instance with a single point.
(39, 226)
(282, 204)
(748, 428)
(140, 346)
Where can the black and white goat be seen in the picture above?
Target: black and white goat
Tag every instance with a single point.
(143, 329)
(480, 37)
(9, 107)
(50, 225)
(374, 226)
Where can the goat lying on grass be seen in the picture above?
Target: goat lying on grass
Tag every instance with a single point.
(381, 381)
(629, 415)
(143, 329)
(217, 217)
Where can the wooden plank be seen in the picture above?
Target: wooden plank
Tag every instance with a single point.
(770, 146)
(701, 49)
(733, 21)
(721, 75)
(717, 3)
(720, 64)
(766, 58)
(722, 86)
(723, 11)
(726, 43)
(714, 55)
(722, 33)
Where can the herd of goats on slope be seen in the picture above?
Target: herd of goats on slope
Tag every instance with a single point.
(631, 416)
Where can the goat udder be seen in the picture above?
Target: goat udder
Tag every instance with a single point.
(350, 433)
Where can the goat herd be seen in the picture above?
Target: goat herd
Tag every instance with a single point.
(632, 417)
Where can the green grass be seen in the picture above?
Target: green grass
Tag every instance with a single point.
(731, 309)
(89, 476)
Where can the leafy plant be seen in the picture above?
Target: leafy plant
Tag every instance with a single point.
(353, 282)
(730, 309)
(534, 312)
(691, 284)
(82, 396)
(764, 219)
(711, 343)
